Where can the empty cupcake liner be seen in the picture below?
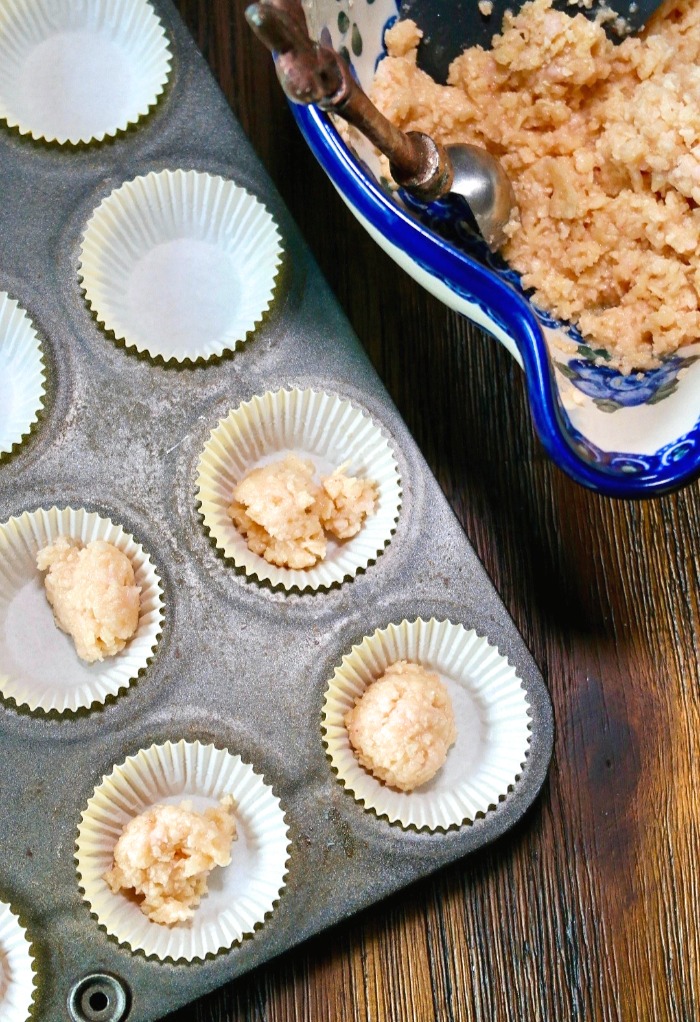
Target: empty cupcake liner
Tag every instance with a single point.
(22, 378)
(17, 976)
(39, 667)
(78, 72)
(491, 714)
(241, 895)
(179, 264)
(323, 428)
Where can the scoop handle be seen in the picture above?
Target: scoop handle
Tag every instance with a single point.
(312, 73)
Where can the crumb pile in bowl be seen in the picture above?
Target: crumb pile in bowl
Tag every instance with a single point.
(283, 513)
(601, 143)
(165, 855)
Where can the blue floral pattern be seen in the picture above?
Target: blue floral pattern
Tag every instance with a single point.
(610, 390)
(637, 464)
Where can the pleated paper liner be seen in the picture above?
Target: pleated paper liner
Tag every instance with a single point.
(80, 72)
(491, 715)
(241, 895)
(180, 264)
(39, 667)
(17, 976)
(323, 428)
(22, 379)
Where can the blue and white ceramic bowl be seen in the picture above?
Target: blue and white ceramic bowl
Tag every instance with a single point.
(625, 436)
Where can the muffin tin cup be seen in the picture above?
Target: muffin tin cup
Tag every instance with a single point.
(323, 428)
(241, 895)
(17, 975)
(22, 378)
(48, 675)
(491, 716)
(180, 264)
(80, 72)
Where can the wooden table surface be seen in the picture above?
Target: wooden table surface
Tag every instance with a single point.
(589, 908)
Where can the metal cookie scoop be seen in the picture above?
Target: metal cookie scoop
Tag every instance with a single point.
(312, 73)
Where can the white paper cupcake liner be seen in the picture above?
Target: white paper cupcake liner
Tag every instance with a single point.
(22, 379)
(240, 895)
(39, 667)
(323, 428)
(179, 264)
(78, 72)
(17, 976)
(491, 715)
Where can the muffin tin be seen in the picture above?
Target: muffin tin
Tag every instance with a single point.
(240, 664)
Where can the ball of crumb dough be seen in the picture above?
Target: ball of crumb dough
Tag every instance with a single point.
(275, 508)
(402, 726)
(93, 595)
(166, 854)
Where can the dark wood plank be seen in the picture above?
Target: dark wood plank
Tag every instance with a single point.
(589, 909)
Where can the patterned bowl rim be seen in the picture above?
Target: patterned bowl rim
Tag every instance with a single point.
(499, 302)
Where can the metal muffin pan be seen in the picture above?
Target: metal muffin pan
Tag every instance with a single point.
(238, 663)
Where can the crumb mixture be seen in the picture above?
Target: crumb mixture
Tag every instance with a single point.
(344, 502)
(166, 854)
(402, 726)
(602, 144)
(283, 513)
(93, 594)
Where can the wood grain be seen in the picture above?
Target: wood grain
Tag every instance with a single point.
(589, 909)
